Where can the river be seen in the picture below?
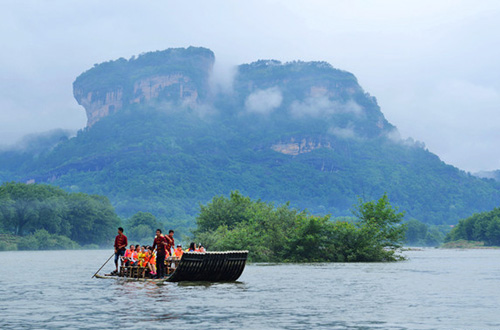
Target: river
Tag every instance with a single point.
(433, 289)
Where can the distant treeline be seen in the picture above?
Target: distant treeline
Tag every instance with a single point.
(44, 217)
(422, 234)
(36, 216)
(481, 227)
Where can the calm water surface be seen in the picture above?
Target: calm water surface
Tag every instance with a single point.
(434, 289)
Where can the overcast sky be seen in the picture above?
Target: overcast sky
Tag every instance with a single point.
(434, 66)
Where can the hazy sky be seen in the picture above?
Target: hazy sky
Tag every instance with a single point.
(434, 66)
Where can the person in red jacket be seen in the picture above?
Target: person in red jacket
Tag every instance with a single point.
(160, 243)
(170, 242)
(121, 243)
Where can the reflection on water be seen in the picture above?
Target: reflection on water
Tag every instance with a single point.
(434, 289)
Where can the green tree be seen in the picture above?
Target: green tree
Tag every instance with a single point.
(223, 211)
(43, 240)
(416, 231)
(482, 227)
(25, 207)
(381, 224)
(142, 226)
(493, 231)
(273, 234)
(381, 216)
(92, 219)
(312, 240)
(433, 237)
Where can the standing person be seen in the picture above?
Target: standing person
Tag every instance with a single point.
(171, 242)
(160, 243)
(121, 243)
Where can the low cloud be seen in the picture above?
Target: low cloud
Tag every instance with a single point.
(222, 77)
(347, 132)
(343, 132)
(322, 106)
(203, 110)
(395, 137)
(38, 142)
(264, 101)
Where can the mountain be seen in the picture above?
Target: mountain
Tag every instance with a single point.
(160, 138)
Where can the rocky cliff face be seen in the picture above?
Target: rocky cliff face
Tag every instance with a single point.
(294, 146)
(97, 107)
(175, 75)
(172, 87)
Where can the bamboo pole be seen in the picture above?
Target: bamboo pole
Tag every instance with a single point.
(103, 265)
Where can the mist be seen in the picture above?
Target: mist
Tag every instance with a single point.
(37, 142)
(264, 101)
(322, 106)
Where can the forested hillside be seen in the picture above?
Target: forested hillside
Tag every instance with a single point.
(302, 132)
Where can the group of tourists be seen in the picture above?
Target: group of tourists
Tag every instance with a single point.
(141, 256)
(144, 256)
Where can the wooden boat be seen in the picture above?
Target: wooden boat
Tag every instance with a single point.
(224, 266)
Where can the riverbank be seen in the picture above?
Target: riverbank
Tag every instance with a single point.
(41, 240)
(464, 244)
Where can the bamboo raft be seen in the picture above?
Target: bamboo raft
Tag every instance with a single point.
(194, 266)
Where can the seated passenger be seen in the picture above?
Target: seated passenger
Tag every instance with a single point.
(192, 247)
(150, 260)
(127, 255)
(141, 255)
(178, 252)
(201, 248)
(130, 257)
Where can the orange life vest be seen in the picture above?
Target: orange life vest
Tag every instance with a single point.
(128, 253)
(178, 252)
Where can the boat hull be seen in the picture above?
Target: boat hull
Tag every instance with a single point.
(210, 266)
